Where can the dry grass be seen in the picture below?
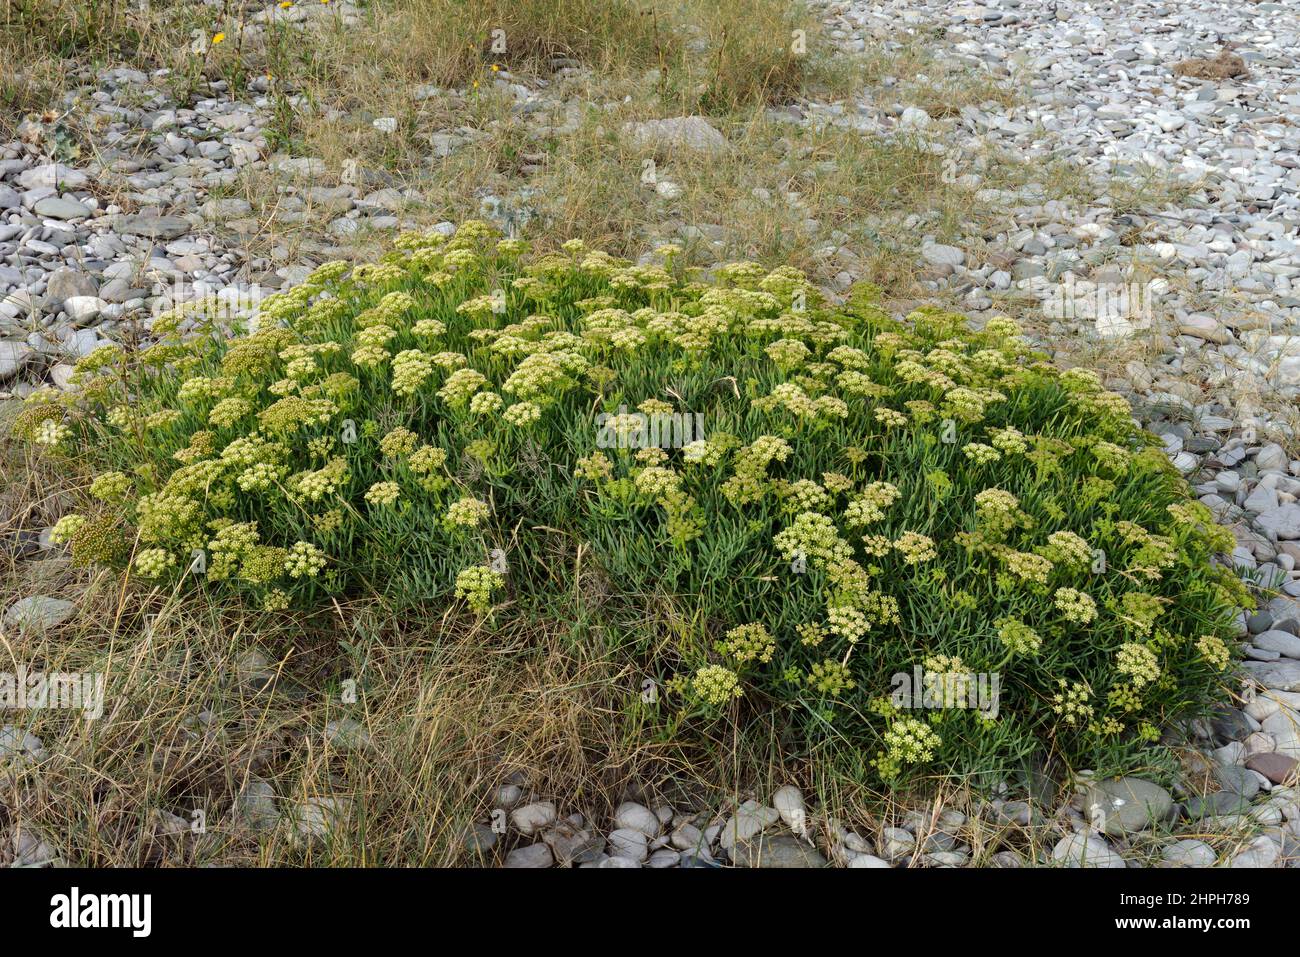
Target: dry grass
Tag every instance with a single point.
(782, 192)
(943, 90)
(96, 29)
(711, 57)
(44, 44)
(824, 199)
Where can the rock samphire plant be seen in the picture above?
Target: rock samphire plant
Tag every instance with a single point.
(918, 540)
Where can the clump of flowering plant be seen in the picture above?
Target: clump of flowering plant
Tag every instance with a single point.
(865, 495)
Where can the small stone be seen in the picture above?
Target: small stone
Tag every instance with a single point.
(663, 858)
(1016, 812)
(56, 207)
(31, 849)
(1230, 725)
(530, 856)
(1259, 623)
(253, 669)
(61, 374)
(688, 837)
(947, 858)
(38, 613)
(895, 843)
(1258, 742)
(1284, 725)
(855, 842)
(1217, 804)
(480, 839)
(219, 209)
(940, 255)
(1278, 768)
(152, 226)
(13, 357)
(256, 805)
(1261, 499)
(318, 820)
(1281, 675)
(748, 820)
(507, 796)
(1086, 850)
(1204, 327)
(532, 818)
(54, 175)
(1282, 520)
(17, 743)
(789, 803)
(66, 282)
(1282, 642)
(637, 817)
(347, 734)
(83, 309)
(777, 851)
(573, 845)
(1237, 780)
(1260, 853)
(940, 841)
(305, 166)
(625, 842)
(1189, 853)
(1271, 458)
(678, 132)
(1126, 805)
(867, 860)
(1267, 814)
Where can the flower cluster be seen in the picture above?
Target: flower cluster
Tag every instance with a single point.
(1075, 605)
(1138, 662)
(1073, 702)
(907, 741)
(476, 585)
(467, 512)
(748, 643)
(304, 560)
(716, 685)
(1017, 637)
(830, 678)
(871, 504)
(813, 537)
(916, 548)
(383, 494)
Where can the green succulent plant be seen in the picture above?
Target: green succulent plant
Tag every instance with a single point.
(918, 539)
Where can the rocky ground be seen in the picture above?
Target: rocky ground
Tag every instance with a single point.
(1189, 301)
